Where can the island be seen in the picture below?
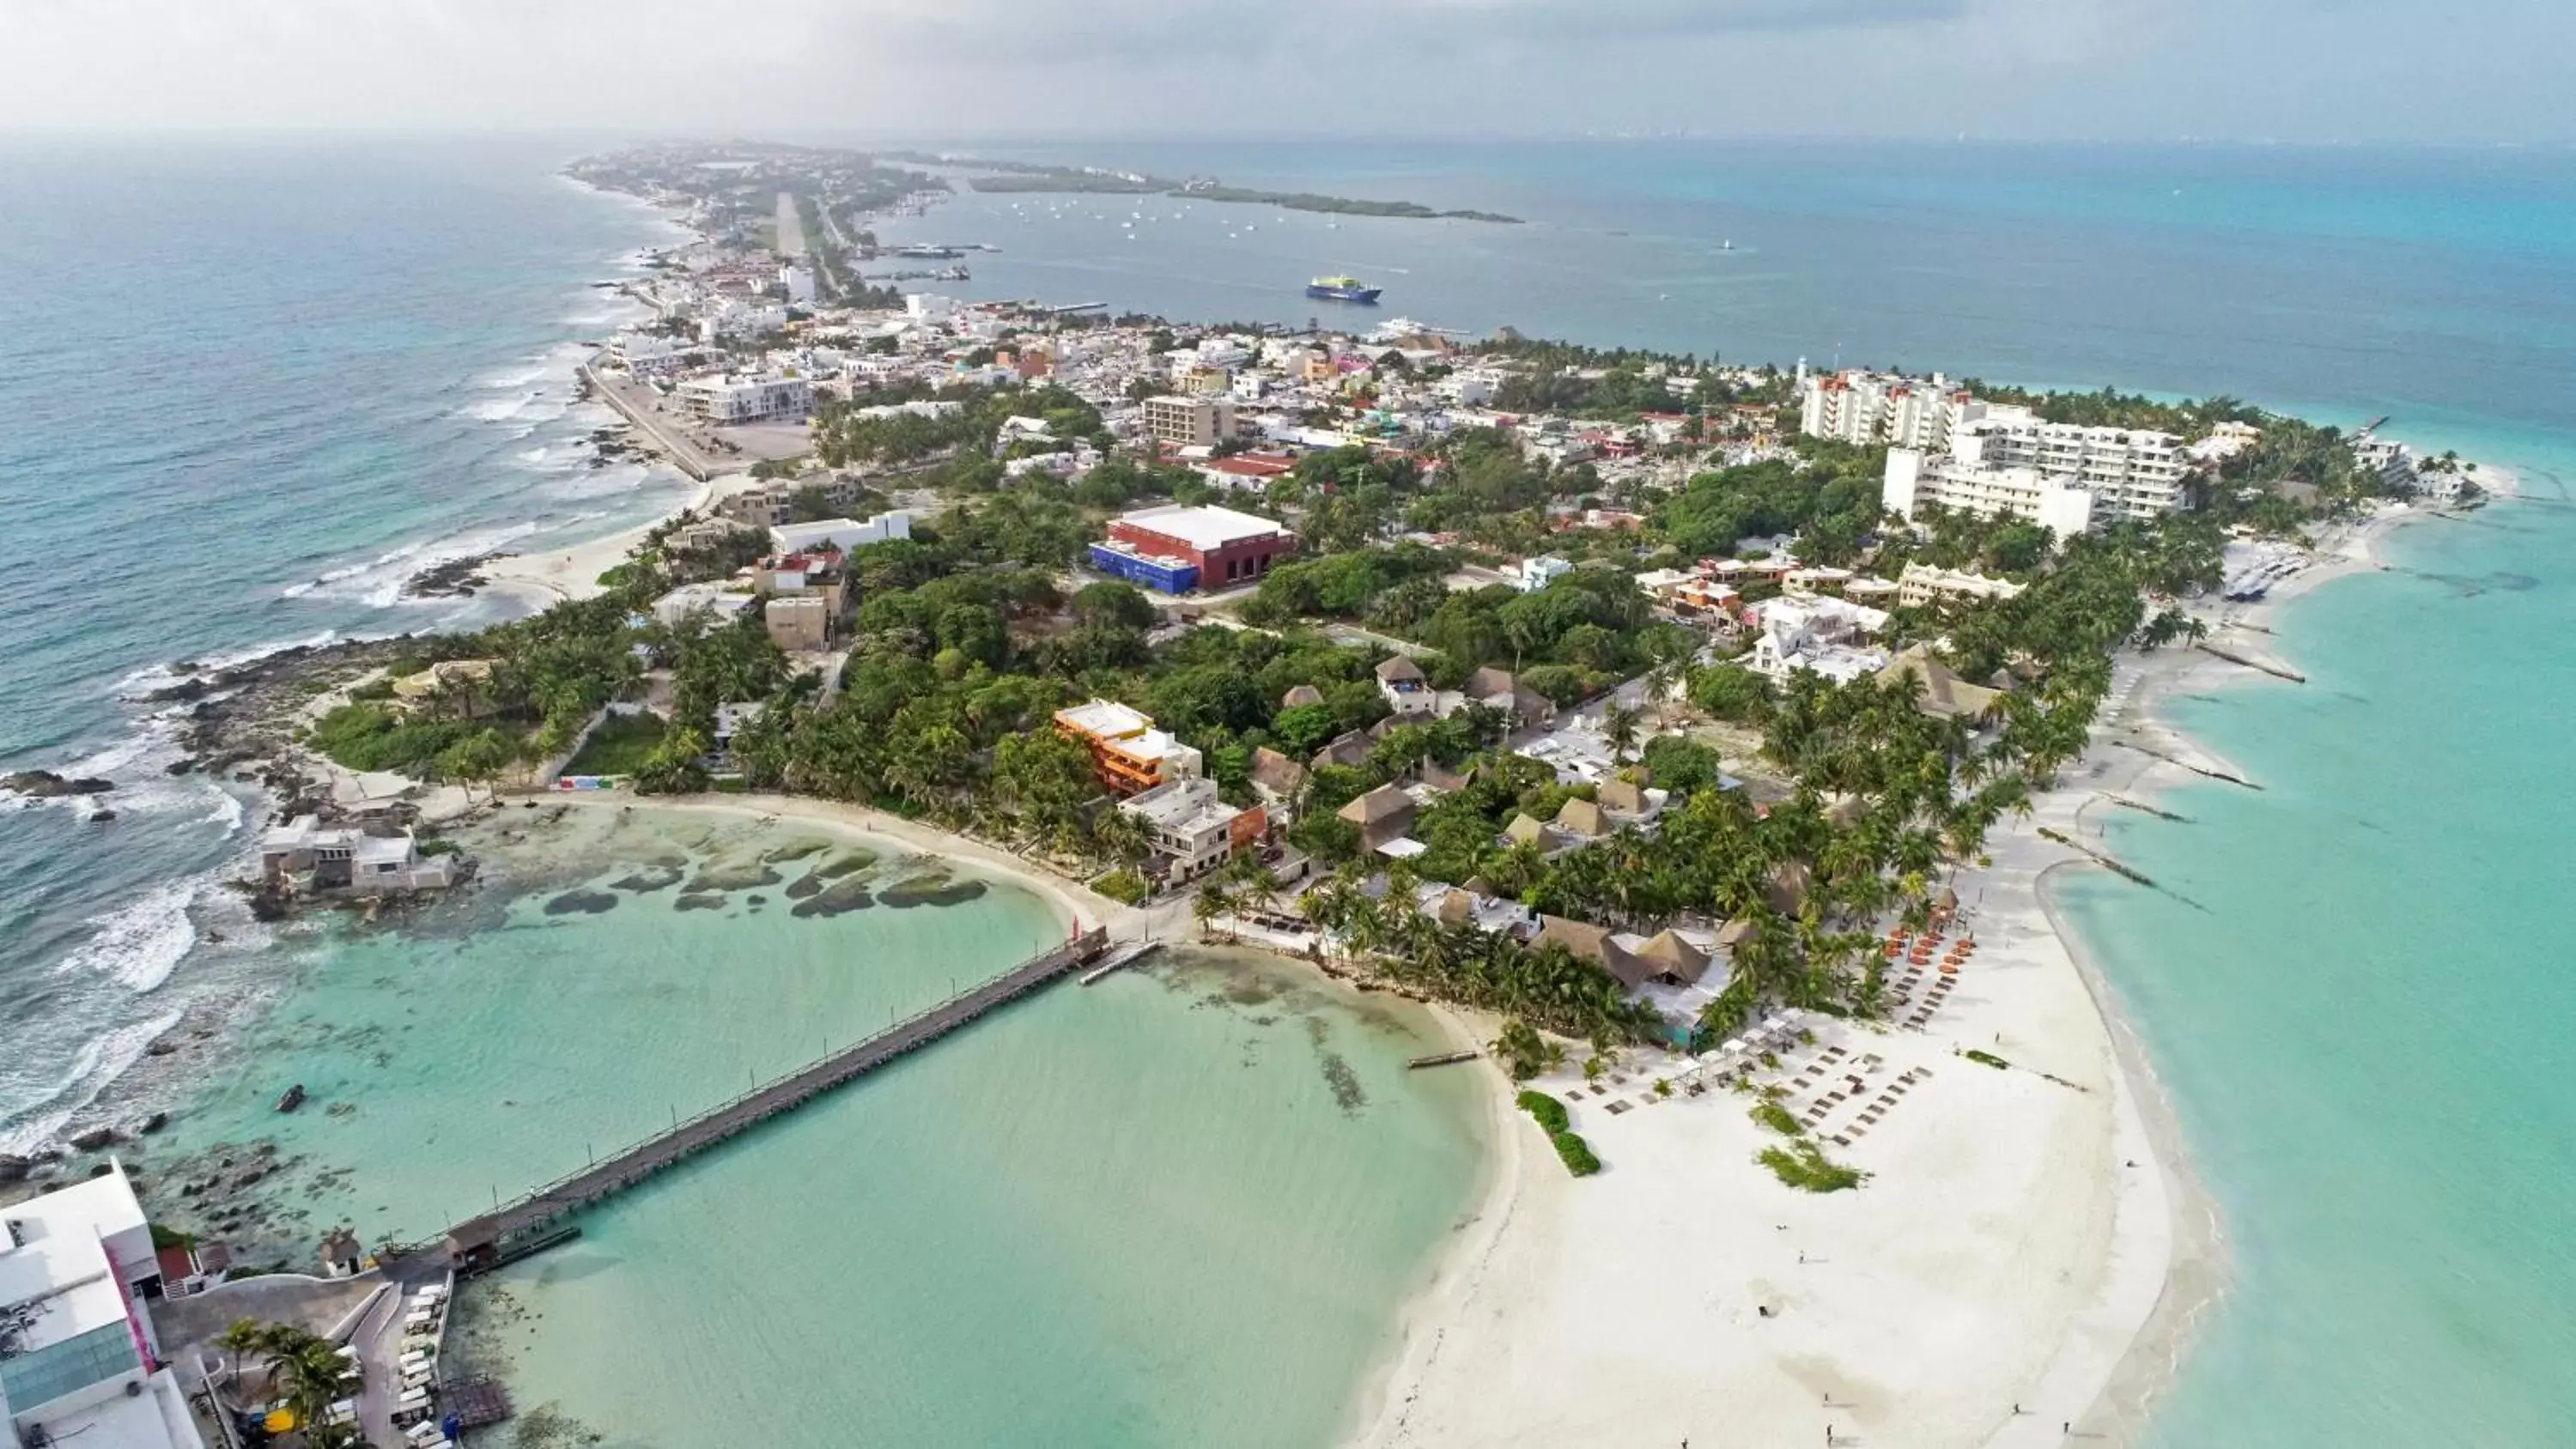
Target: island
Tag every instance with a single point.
(1696, 737)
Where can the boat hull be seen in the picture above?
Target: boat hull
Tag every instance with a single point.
(1365, 296)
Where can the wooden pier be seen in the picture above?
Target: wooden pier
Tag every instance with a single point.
(484, 1242)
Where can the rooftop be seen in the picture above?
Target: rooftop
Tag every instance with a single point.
(59, 1257)
(1203, 527)
(1105, 719)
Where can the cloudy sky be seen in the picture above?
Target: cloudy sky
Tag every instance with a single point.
(2140, 69)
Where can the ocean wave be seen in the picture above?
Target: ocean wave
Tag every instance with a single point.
(138, 945)
(152, 677)
(100, 1061)
(502, 410)
(385, 589)
(602, 482)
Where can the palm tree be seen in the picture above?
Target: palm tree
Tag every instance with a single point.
(240, 1339)
(1619, 724)
(1212, 902)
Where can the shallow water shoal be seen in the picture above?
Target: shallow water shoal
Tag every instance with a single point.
(1180, 1207)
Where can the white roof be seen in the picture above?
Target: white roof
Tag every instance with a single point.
(1106, 718)
(1403, 847)
(382, 850)
(61, 1259)
(1203, 527)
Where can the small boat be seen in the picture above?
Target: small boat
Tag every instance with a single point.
(1342, 289)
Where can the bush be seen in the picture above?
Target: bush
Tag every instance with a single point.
(371, 737)
(1124, 886)
(1804, 1166)
(620, 746)
(1987, 1059)
(1777, 1118)
(1575, 1153)
(1549, 1111)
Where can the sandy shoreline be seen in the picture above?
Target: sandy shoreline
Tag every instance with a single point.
(539, 581)
(1975, 1292)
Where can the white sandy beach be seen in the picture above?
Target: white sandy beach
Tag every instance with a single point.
(2023, 1244)
(541, 580)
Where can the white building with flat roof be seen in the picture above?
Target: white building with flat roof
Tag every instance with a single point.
(724, 400)
(2130, 472)
(1921, 583)
(841, 533)
(1875, 407)
(1194, 829)
(1914, 479)
(83, 1365)
(1187, 422)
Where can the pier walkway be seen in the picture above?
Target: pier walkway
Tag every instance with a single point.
(482, 1242)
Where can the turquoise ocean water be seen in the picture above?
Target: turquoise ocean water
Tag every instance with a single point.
(2356, 1003)
(1175, 1208)
(250, 387)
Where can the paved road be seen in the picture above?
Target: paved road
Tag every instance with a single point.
(666, 428)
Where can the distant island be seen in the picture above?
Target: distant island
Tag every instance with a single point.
(1008, 177)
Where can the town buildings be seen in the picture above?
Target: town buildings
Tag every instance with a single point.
(1406, 689)
(1175, 549)
(1870, 407)
(1189, 422)
(745, 399)
(1193, 830)
(840, 534)
(1921, 584)
(799, 624)
(1128, 754)
(1915, 479)
(1818, 635)
(82, 1361)
(367, 859)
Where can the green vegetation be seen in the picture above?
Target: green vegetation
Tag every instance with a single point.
(1124, 886)
(1777, 1118)
(1986, 1059)
(842, 437)
(1803, 1165)
(304, 1370)
(1575, 1153)
(623, 744)
(1549, 1111)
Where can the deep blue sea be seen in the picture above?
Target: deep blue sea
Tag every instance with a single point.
(247, 392)
(248, 389)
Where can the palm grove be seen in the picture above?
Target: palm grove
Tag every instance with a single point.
(969, 635)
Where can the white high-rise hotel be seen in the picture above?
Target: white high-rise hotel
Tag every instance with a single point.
(1878, 407)
(1951, 449)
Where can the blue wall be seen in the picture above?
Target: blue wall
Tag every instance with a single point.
(1169, 578)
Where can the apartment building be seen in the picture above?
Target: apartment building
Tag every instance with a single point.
(1128, 754)
(1193, 831)
(2130, 472)
(82, 1361)
(1189, 422)
(723, 400)
(1914, 479)
(1922, 584)
(1874, 407)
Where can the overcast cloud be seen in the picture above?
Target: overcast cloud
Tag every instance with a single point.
(2246, 69)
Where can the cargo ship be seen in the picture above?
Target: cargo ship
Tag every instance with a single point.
(1342, 289)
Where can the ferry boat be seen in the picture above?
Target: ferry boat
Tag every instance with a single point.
(1342, 289)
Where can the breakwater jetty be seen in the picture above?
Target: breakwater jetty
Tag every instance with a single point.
(524, 1224)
